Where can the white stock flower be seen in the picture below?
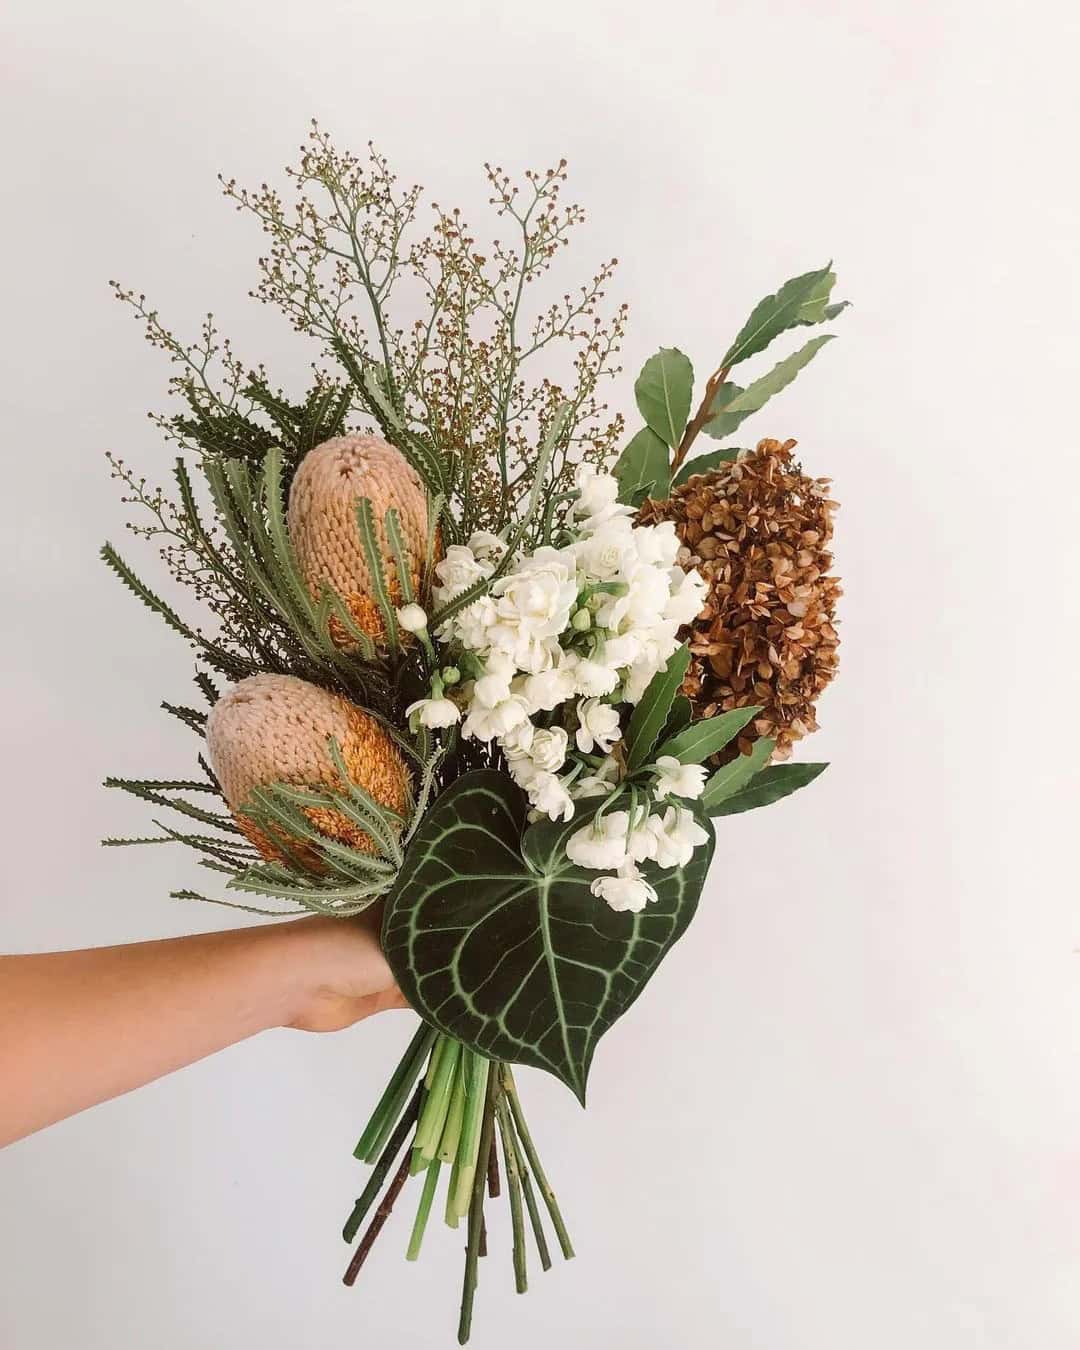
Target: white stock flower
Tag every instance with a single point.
(598, 725)
(675, 779)
(657, 545)
(603, 553)
(434, 712)
(473, 622)
(533, 605)
(598, 498)
(493, 687)
(677, 834)
(626, 891)
(516, 742)
(412, 618)
(488, 547)
(548, 688)
(688, 591)
(484, 724)
(600, 845)
(548, 794)
(456, 572)
(592, 678)
(548, 749)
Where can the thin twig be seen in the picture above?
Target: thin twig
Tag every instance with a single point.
(381, 1216)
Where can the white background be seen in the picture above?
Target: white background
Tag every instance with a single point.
(846, 1117)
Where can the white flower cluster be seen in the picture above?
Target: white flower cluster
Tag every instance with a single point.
(587, 624)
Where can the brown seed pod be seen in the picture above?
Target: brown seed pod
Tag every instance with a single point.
(328, 483)
(758, 530)
(276, 729)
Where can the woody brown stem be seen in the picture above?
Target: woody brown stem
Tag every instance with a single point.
(381, 1216)
(493, 1175)
(700, 418)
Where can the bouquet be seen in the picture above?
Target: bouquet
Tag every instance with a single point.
(470, 653)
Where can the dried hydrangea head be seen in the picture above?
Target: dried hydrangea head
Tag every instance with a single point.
(276, 729)
(329, 482)
(758, 529)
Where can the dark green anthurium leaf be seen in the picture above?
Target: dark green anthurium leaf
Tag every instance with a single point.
(643, 469)
(650, 714)
(802, 295)
(735, 775)
(701, 739)
(721, 422)
(498, 941)
(756, 395)
(768, 786)
(663, 391)
(712, 459)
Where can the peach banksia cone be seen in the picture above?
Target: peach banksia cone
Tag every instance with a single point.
(276, 729)
(758, 530)
(326, 488)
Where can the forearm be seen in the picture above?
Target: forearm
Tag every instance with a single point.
(80, 1027)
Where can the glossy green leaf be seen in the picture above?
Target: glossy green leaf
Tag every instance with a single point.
(771, 316)
(756, 395)
(712, 459)
(769, 786)
(663, 391)
(732, 777)
(643, 469)
(497, 940)
(699, 740)
(648, 718)
(680, 716)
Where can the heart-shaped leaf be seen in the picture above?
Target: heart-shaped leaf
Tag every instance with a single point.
(496, 939)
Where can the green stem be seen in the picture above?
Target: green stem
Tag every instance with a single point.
(513, 1185)
(534, 1162)
(535, 1220)
(451, 1135)
(476, 1209)
(429, 1131)
(378, 1174)
(431, 1181)
(395, 1095)
(476, 1081)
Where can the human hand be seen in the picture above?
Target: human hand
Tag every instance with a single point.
(336, 971)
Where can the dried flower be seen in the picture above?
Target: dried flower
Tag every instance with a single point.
(758, 531)
(276, 729)
(329, 482)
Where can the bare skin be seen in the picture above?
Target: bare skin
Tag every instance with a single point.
(77, 1028)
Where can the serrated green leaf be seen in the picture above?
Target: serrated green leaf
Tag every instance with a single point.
(663, 391)
(732, 777)
(771, 316)
(643, 468)
(648, 718)
(757, 394)
(712, 459)
(701, 739)
(769, 786)
(501, 944)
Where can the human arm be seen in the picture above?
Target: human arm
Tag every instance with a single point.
(77, 1028)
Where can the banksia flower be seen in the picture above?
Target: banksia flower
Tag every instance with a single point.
(758, 530)
(276, 729)
(325, 490)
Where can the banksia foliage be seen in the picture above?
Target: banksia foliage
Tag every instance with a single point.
(326, 490)
(276, 729)
(758, 530)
